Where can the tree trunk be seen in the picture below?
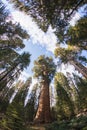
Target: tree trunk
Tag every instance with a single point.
(76, 7)
(43, 112)
(9, 71)
(8, 79)
(82, 69)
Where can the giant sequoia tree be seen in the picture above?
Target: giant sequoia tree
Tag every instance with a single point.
(44, 69)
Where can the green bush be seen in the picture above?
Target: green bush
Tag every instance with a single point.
(79, 123)
(53, 126)
(85, 128)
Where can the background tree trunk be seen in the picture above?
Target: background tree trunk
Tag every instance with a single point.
(82, 69)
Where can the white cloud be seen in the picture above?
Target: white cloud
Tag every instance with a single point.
(47, 39)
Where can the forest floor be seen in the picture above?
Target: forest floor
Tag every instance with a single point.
(76, 123)
(37, 127)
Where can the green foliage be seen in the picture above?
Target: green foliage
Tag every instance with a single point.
(71, 54)
(82, 90)
(77, 34)
(64, 105)
(14, 69)
(73, 124)
(7, 57)
(51, 12)
(22, 89)
(78, 123)
(23, 60)
(67, 54)
(3, 105)
(52, 126)
(30, 110)
(44, 68)
(57, 14)
(13, 32)
(85, 128)
(70, 99)
(14, 117)
(62, 80)
(11, 38)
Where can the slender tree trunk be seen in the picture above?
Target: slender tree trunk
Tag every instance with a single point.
(82, 69)
(75, 8)
(3, 73)
(9, 71)
(43, 112)
(7, 80)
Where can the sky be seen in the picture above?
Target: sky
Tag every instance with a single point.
(39, 43)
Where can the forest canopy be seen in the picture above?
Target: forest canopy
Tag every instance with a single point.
(55, 96)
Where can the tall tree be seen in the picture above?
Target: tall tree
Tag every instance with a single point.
(75, 96)
(71, 55)
(7, 56)
(76, 35)
(18, 65)
(44, 69)
(11, 38)
(82, 90)
(23, 89)
(11, 34)
(64, 105)
(16, 115)
(31, 106)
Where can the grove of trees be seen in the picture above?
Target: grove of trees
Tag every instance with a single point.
(70, 90)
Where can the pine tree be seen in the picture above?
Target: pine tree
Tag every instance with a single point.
(64, 105)
(11, 38)
(13, 71)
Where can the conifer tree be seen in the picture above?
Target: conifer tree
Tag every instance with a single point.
(64, 105)
(71, 55)
(44, 69)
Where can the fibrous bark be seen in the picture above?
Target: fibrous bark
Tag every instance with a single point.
(43, 112)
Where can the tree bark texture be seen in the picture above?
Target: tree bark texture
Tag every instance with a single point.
(43, 112)
(78, 66)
